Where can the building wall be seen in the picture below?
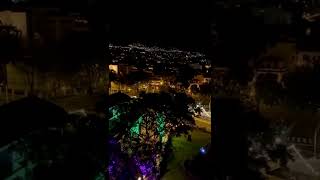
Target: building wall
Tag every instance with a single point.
(17, 75)
(291, 56)
(16, 78)
(277, 16)
(54, 27)
(284, 51)
(307, 58)
(17, 19)
(114, 68)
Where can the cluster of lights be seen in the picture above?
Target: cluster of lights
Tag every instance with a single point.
(157, 49)
(145, 168)
(156, 54)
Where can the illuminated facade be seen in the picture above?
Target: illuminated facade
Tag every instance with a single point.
(113, 67)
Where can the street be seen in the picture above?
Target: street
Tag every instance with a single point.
(203, 123)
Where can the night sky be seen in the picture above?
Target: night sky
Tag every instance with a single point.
(170, 23)
(163, 23)
(167, 23)
(184, 36)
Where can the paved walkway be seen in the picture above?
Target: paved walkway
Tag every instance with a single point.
(203, 123)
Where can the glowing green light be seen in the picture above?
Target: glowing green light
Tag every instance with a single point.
(161, 125)
(115, 117)
(135, 129)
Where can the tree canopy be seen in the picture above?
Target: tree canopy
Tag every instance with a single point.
(303, 87)
(80, 152)
(186, 73)
(143, 127)
(270, 92)
(10, 42)
(243, 143)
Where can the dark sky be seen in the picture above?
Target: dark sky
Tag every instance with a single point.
(178, 23)
(191, 35)
(169, 23)
(165, 23)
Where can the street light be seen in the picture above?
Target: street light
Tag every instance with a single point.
(202, 150)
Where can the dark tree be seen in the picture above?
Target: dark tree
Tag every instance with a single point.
(80, 152)
(243, 142)
(10, 46)
(138, 76)
(270, 92)
(99, 26)
(10, 41)
(61, 146)
(240, 41)
(303, 87)
(107, 101)
(186, 73)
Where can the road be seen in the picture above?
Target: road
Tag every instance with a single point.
(203, 123)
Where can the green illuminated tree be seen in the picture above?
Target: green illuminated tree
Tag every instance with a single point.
(145, 125)
(175, 106)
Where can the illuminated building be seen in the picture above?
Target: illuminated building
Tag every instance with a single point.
(114, 68)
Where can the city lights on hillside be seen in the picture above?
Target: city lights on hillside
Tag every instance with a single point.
(161, 55)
